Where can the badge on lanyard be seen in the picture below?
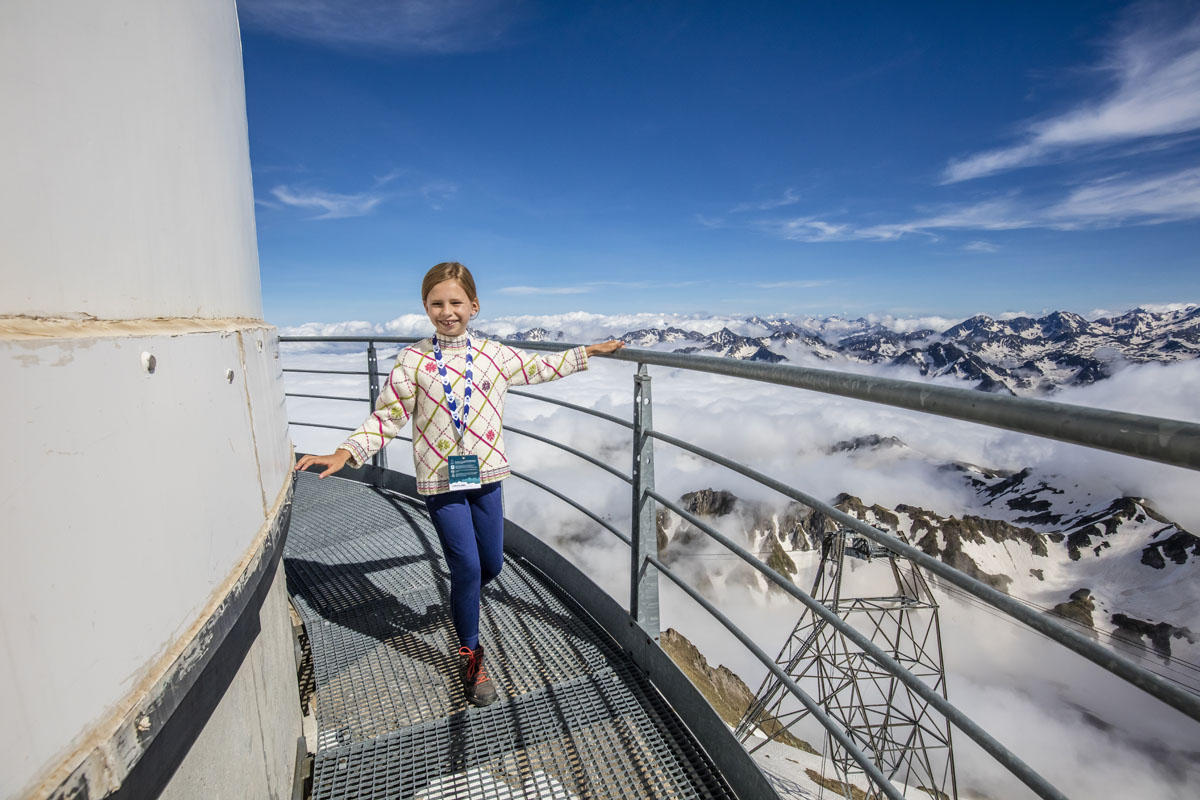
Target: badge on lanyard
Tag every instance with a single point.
(463, 470)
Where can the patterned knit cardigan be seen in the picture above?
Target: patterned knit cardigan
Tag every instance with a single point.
(414, 389)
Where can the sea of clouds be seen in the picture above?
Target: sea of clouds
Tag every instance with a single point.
(1085, 730)
(583, 326)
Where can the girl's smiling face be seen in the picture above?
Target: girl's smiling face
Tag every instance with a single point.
(449, 308)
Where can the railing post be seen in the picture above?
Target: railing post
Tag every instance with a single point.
(643, 598)
(380, 459)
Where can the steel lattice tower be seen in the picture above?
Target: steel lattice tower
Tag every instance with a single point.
(907, 739)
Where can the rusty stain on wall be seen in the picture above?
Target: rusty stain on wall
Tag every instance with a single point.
(31, 327)
(250, 412)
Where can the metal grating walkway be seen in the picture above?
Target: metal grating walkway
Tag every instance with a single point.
(576, 718)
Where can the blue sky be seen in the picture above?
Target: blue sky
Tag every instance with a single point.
(750, 157)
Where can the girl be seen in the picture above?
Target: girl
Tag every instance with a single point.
(453, 387)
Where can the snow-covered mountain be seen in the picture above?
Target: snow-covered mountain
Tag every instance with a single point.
(1113, 568)
(650, 337)
(732, 345)
(1113, 564)
(1022, 354)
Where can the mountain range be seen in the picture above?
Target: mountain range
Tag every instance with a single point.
(1017, 355)
(1113, 565)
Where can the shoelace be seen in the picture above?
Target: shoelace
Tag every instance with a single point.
(476, 672)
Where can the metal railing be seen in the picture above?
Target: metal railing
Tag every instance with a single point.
(1167, 441)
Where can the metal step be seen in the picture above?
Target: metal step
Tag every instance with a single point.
(575, 719)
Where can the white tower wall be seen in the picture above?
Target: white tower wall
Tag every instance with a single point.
(139, 503)
(126, 168)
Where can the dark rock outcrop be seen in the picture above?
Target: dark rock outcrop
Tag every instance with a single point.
(709, 502)
(1137, 632)
(1078, 609)
(1176, 547)
(724, 690)
(869, 442)
(954, 532)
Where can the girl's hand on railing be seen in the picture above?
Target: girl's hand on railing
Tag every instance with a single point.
(332, 462)
(604, 348)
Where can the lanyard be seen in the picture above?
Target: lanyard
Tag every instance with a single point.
(460, 420)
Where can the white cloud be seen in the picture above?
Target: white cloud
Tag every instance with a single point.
(419, 26)
(793, 284)
(1162, 308)
(1154, 69)
(580, 326)
(408, 325)
(403, 325)
(583, 326)
(334, 206)
(436, 193)
(992, 215)
(390, 175)
(591, 285)
(1115, 201)
(811, 229)
(646, 284)
(789, 198)
(910, 324)
(586, 326)
(1110, 202)
(997, 214)
(524, 290)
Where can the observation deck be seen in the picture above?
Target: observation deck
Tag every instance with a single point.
(576, 717)
(590, 704)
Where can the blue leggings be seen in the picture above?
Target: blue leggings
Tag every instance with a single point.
(470, 524)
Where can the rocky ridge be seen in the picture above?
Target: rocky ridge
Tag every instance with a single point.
(722, 688)
(1018, 355)
(1116, 566)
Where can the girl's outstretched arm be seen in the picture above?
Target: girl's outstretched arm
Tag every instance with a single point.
(332, 462)
(393, 408)
(604, 348)
(525, 369)
(522, 368)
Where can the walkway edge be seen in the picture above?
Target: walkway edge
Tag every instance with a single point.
(731, 759)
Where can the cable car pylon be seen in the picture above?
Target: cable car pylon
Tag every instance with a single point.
(908, 740)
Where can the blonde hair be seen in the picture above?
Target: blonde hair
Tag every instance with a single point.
(449, 271)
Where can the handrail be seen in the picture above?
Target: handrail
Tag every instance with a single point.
(601, 522)
(1163, 440)
(985, 740)
(320, 425)
(1168, 441)
(328, 397)
(573, 406)
(572, 451)
(328, 371)
(1145, 680)
(834, 729)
